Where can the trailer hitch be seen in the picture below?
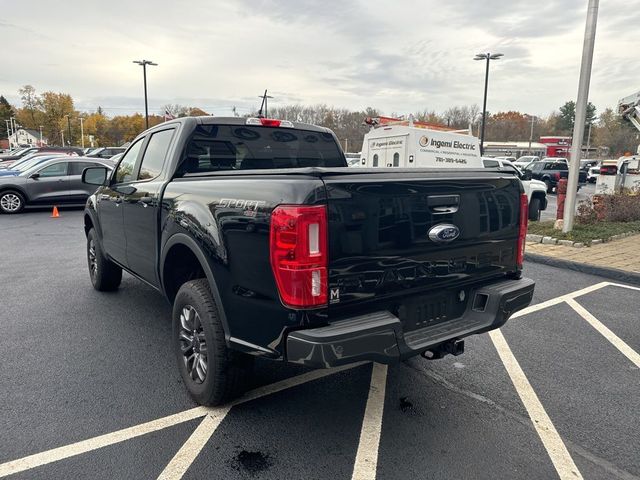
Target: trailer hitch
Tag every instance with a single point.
(452, 347)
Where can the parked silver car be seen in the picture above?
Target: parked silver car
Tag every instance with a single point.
(57, 181)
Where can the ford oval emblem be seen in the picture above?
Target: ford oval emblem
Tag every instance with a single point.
(444, 233)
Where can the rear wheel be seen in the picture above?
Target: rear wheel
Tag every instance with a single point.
(105, 275)
(11, 202)
(534, 209)
(211, 371)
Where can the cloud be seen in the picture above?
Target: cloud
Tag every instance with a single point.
(397, 56)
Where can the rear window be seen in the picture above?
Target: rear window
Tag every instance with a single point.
(241, 147)
(556, 166)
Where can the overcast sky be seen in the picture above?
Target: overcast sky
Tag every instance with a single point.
(399, 56)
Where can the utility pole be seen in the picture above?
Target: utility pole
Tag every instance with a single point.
(581, 113)
(264, 98)
(533, 117)
(40, 135)
(144, 64)
(588, 141)
(69, 125)
(62, 136)
(8, 132)
(346, 144)
(81, 132)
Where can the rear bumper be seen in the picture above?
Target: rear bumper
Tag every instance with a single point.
(379, 336)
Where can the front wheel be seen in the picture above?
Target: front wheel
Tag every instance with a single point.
(211, 371)
(105, 275)
(11, 202)
(534, 209)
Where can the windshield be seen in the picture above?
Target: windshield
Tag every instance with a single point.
(242, 147)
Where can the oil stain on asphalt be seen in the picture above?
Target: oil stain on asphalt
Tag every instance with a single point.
(252, 462)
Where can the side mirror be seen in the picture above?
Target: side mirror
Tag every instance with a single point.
(527, 175)
(34, 176)
(95, 175)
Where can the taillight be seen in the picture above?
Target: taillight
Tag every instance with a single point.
(298, 250)
(269, 122)
(557, 175)
(522, 231)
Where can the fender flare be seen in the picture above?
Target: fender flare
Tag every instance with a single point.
(190, 243)
(17, 189)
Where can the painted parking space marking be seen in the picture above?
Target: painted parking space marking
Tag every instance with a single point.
(616, 341)
(547, 432)
(182, 460)
(84, 446)
(366, 462)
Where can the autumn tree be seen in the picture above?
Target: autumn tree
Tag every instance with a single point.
(615, 133)
(30, 105)
(507, 126)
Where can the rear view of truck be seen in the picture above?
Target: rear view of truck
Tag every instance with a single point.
(417, 260)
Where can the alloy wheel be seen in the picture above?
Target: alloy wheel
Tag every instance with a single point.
(193, 345)
(10, 202)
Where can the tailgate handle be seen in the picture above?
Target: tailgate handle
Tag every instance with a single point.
(443, 203)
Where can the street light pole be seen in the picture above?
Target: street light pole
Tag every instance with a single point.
(588, 141)
(581, 113)
(533, 117)
(144, 64)
(8, 132)
(488, 57)
(69, 125)
(40, 135)
(82, 132)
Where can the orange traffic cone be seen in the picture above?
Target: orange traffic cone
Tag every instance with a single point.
(55, 213)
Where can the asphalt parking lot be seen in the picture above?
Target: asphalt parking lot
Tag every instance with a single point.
(585, 192)
(89, 389)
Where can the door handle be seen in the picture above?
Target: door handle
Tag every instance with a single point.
(117, 200)
(145, 201)
(440, 204)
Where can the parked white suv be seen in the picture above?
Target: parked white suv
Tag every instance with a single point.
(535, 189)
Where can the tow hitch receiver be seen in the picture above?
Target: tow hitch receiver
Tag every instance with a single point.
(452, 347)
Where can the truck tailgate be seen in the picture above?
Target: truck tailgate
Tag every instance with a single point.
(381, 221)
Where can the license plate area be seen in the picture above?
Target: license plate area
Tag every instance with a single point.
(426, 311)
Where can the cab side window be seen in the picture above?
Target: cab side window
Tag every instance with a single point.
(124, 172)
(55, 170)
(155, 154)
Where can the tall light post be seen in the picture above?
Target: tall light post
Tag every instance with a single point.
(533, 118)
(69, 125)
(488, 57)
(144, 64)
(81, 132)
(581, 114)
(41, 135)
(8, 132)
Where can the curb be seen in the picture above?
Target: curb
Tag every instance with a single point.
(606, 272)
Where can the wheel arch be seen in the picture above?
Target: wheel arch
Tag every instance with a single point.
(181, 246)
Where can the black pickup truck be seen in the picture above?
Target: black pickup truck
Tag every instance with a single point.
(267, 244)
(550, 172)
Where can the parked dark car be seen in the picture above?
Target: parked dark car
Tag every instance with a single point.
(551, 172)
(27, 151)
(105, 152)
(268, 245)
(56, 181)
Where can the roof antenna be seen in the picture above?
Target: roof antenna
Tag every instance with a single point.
(264, 98)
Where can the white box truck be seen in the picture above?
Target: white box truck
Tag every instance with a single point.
(405, 144)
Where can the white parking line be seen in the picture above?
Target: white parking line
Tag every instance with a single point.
(551, 440)
(182, 460)
(367, 456)
(562, 298)
(616, 341)
(60, 453)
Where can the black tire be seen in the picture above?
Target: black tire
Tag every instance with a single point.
(549, 186)
(105, 275)
(11, 202)
(534, 209)
(220, 381)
